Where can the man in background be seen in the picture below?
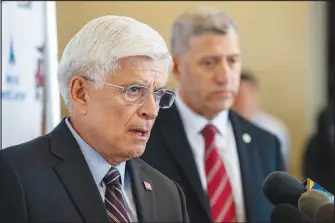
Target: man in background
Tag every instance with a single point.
(218, 158)
(247, 104)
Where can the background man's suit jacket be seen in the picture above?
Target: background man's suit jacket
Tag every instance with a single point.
(257, 159)
(48, 180)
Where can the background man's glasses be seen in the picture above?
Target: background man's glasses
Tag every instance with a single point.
(137, 95)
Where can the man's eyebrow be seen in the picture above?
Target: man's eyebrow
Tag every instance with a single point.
(138, 82)
(219, 56)
(234, 55)
(144, 83)
(160, 88)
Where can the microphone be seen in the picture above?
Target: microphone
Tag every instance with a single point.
(325, 214)
(281, 187)
(286, 213)
(310, 202)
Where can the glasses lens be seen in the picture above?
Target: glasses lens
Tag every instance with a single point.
(136, 94)
(167, 99)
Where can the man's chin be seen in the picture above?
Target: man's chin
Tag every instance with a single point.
(221, 106)
(136, 152)
(125, 154)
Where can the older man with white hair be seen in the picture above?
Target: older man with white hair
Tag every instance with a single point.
(112, 76)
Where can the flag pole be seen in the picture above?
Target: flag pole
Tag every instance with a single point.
(52, 102)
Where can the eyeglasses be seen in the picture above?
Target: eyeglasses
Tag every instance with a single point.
(138, 95)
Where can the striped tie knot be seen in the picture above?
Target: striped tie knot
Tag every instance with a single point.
(209, 132)
(113, 177)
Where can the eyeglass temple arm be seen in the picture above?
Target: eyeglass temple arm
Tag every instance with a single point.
(116, 86)
(89, 79)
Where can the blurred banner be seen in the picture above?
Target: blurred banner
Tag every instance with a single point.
(30, 98)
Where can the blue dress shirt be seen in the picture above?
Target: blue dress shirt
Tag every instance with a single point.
(99, 168)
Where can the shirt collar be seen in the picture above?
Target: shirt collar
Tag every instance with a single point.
(97, 164)
(196, 123)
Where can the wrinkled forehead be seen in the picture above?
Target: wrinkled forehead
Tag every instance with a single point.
(144, 64)
(141, 70)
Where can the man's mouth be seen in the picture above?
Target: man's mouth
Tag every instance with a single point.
(140, 132)
(223, 92)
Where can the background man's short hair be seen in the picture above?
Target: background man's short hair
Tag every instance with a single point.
(197, 22)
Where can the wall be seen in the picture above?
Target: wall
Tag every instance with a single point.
(281, 43)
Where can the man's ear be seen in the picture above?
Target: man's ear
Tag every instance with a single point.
(79, 93)
(176, 67)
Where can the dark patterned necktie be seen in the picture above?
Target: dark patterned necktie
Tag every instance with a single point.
(114, 202)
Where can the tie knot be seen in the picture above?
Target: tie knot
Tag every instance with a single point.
(112, 177)
(209, 132)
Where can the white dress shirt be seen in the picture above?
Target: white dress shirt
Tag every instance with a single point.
(225, 141)
(99, 167)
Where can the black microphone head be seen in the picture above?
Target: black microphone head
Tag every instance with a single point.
(325, 214)
(310, 202)
(281, 187)
(286, 213)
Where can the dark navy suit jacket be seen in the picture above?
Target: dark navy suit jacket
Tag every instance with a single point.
(48, 180)
(168, 150)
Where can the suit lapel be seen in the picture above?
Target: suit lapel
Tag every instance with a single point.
(76, 176)
(144, 197)
(173, 132)
(244, 160)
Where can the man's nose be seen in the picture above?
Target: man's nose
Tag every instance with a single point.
(223, 72)
(149, 110)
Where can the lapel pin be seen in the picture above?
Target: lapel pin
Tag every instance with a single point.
(147, 186)
(246, 138)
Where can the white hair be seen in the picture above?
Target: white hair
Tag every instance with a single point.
(95, 50)
(196, 22)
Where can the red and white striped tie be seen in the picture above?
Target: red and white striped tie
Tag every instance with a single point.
(218, 185)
